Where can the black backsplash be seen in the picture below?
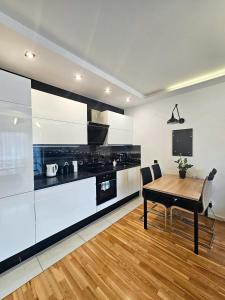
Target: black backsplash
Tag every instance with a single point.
(85, 155)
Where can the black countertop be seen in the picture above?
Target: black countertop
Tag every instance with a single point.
(42, 182)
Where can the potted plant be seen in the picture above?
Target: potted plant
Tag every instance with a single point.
(183, 166)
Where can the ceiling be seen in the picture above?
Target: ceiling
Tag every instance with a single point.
(134, 46)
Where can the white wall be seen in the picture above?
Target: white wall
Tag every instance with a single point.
(204, 111)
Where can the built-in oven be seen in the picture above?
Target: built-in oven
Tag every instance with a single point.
(106, 187)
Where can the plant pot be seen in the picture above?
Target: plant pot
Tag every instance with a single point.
(182, 174)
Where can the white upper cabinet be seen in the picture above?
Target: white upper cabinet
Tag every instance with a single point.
(57, 132)
(58, 120)
(120, 128)
(48, 106)
(117, 121)
(15, 89)
(119, 137)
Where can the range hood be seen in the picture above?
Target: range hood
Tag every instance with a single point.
(97, 131)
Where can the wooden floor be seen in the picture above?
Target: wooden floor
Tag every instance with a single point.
(127, 262)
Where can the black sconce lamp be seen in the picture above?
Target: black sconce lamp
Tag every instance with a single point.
(173, 120)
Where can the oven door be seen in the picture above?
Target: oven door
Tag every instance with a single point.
(106, 190)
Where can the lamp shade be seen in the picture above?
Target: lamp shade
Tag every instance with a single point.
(172, 120)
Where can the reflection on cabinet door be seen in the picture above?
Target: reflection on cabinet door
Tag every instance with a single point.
(64, 205)
(56, 132)
(14, 88)
(17, 224)
(16, 156)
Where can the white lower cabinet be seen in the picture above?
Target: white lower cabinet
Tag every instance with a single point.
(122, 184)
(17, 224)
(64, 205)
(134, 180)
(57, 132)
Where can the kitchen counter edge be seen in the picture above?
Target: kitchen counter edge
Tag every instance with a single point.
(44, 182)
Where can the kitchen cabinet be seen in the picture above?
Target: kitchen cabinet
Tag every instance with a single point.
(17, 224)
(56, 132)
(57, 120)
(122, 184)
(120, 128)
(15, 89)
(64, 205)
(52, 107)
(134, 180)
(119, 137)
(117, 121)
(128, 183)
(16, 155)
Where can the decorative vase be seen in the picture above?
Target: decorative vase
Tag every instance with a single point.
(182, 174)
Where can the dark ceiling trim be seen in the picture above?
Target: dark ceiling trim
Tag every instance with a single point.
(91, 103)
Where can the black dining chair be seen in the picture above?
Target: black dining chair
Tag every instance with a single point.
(204, 204)
(156, 171)
(163, 201)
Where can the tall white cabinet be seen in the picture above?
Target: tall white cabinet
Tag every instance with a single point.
(17, 218)
(57, 120)
(120, 128)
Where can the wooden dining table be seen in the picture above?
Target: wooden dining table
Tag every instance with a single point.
(188, 189)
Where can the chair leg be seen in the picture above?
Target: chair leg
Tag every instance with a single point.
(171, 218)
(165, 217)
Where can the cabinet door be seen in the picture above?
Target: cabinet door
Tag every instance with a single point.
(14, 88)
(48, 106)
(117, 121)
(119, 137)
(16, 156)
(134, 183)
(122, 184)
(62, 206)
(56, 132)
(17, 224)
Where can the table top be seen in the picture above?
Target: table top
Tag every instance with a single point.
(189, 188)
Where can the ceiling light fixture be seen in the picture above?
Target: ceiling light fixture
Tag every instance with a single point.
(128, 99)
(29, 55)
(173, 120)
(78, 77)
(107, 90)
(197, 80)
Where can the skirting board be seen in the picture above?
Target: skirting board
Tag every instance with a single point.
(219, 218)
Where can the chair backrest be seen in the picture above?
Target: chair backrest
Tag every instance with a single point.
(207, 189)
(146, 175)
(156, 171)
(212, 174)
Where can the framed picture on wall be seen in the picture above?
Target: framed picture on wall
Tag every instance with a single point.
(182, 142)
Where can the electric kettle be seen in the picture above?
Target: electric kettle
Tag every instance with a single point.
(51, 170)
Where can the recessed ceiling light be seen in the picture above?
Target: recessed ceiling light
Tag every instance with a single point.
(29, 55)
(107, 90)
(197, 80)
(78, 77)
(128, 99)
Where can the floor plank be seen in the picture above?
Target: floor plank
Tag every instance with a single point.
(127, 262)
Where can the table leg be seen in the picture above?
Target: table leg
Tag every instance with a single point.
(206, 212)
(145, 213)
(196, 230)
